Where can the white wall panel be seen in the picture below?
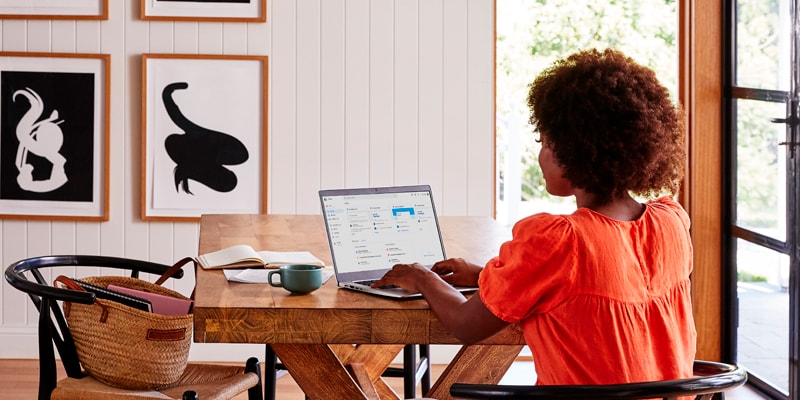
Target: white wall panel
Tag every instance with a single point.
(283, 108)
(64, 36)
(455, 85)
(234, 38)
(480, 106)
(64, 239)
(87, 36)
(121, 185)
(332, 95)
(406, 93)
(134, 241)
(210, 38)
(361, 92)
(160, 243)
(15, 35)
(431, 100)
(88, 242)
(307, 141)
(357, 90)
(39, 237)
(258, 38)
(14, 247)
(186, 37)
(381, 96)
(161, 37)
(38, 38)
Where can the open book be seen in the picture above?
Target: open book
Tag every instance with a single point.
(243, 256)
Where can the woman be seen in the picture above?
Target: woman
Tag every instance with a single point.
(603, 294)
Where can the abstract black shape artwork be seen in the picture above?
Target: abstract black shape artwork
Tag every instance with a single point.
(204, 135)
(200, 154)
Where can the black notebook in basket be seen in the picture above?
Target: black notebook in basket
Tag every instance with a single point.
(113, 295)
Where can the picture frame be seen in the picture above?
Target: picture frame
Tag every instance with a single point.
(54, 136)
(204, 136)
(204, 10)
(54, 9)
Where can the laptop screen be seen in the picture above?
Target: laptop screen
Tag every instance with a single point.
(373, 229)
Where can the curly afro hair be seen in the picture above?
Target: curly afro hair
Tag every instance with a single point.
(611, 125)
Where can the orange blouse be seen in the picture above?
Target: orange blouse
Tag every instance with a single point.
(600, 301)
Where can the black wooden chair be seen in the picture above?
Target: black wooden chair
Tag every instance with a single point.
(416, 370)
(710, 378)
(199, 381)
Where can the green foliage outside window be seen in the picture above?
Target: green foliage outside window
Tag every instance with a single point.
(532, 34)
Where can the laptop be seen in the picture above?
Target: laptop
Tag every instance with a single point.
(372, 229)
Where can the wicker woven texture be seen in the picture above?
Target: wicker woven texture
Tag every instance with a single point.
(211, 382)
(129, 348)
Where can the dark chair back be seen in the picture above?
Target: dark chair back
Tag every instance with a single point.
(710, 378)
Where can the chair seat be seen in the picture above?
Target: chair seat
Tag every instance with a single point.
(210, 381)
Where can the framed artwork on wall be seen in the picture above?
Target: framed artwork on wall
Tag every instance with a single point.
(204, 10)
(204, 135)
(54, 136)
(54, 9)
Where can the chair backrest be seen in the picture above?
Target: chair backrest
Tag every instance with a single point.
(710, 378)
(27, 276)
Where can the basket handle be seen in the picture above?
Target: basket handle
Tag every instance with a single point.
(68, 282)
(175, 268)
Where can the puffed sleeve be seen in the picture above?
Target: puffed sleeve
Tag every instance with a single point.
(532, 271)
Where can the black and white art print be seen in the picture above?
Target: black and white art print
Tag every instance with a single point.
(204, 136)
(205, 10)
(53, 136)
(54, 9)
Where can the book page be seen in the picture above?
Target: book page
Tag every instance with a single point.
(239, 255)
(260, 275)
(277, 258)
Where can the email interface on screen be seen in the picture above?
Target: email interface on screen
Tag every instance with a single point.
(377, 231)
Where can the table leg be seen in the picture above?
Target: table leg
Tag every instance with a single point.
(475, 364)
(320, 370)
(376, 358)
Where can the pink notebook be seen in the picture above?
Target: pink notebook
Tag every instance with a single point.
(163, 305)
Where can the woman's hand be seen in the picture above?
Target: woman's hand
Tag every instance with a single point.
(407, 276)
(457, 271)
(468, 320)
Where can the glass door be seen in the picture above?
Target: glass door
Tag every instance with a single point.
(762, 191)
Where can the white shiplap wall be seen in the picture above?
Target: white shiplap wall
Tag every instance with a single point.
(361, 93)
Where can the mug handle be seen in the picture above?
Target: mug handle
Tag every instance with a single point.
(269, 279)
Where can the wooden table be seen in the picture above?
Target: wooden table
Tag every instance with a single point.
(317, 336)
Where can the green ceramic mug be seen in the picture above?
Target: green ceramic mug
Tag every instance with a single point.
(297, 278)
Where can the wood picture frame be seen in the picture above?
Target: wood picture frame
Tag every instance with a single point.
(204, 10)
(204, 135)
(54, 9)
(54, 136)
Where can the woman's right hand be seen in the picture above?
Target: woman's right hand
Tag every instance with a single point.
(457, 271)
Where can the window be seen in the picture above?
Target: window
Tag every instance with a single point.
(530, 36)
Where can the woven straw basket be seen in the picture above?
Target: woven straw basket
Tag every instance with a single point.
(129, 348)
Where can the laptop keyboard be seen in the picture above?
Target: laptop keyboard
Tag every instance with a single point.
(369, 282)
